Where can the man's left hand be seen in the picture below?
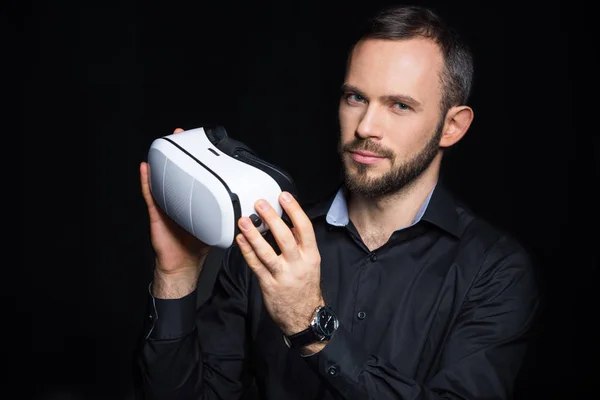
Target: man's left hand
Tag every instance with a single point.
(291, 281)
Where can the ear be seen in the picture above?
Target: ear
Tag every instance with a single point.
(458, 121)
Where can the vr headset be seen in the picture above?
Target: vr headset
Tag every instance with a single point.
(206, 181)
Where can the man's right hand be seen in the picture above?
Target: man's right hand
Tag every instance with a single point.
(179, 255)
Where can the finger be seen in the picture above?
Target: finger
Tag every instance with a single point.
(260, 246)
(262, 272)
(303, 227)
(295, 233)
(178, 130)
(281, 232)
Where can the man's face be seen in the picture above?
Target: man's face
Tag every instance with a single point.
(390, 114)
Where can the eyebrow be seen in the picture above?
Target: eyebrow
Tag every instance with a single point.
(391, 98)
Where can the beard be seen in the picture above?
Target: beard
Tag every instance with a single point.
(393, 181)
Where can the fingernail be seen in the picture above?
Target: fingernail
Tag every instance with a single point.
(286, 197)
(245, 223)
(261, 205)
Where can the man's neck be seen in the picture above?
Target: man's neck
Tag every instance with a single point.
(377, 219)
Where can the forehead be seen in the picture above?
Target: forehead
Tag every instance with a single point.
(410, 67)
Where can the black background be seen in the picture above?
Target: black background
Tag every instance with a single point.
(103, 79)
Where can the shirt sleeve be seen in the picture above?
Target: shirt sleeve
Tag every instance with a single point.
(482, 354)
(193, 352)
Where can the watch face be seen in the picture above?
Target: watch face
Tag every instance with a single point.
(327, 322)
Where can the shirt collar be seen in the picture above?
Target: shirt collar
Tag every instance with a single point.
(438, 208)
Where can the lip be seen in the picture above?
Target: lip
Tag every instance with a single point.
(367, 154)
(364, 157)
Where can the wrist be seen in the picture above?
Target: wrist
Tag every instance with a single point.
(174, 285)
(313, 338)
(313, 348)
(303, 321)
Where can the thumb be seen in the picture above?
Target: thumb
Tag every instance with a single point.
(146, 193)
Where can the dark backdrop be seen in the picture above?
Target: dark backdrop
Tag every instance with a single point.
(103, 79)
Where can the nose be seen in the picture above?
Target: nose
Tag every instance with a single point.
(369, 124)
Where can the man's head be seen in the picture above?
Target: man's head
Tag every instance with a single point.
(403, 100)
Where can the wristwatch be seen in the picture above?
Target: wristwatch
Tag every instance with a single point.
(322, 327)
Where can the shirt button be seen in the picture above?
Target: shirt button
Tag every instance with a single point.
(373, 257)
(332, 370)
(361, 315)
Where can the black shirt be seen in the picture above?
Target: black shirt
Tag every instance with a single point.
(443, 310)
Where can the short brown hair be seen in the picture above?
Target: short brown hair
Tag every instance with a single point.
(406, 22)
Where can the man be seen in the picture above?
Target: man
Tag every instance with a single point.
(386, 290)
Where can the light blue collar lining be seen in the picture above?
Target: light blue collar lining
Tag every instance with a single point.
(338, 211)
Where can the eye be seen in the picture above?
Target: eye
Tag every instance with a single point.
(354, 98)
(402, 106)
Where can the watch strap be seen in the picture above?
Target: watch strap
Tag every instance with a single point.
(302, 338)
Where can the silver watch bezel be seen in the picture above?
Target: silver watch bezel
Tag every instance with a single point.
(313, 324)
(315, 320)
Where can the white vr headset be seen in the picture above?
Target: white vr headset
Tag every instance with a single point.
(205, 181)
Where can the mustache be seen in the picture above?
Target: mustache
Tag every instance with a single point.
(367, 145)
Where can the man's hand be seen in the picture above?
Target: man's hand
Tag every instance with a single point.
(290, 282)
(179, 255)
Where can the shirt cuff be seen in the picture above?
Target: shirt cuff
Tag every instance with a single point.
(340, 361)
(171, 318)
